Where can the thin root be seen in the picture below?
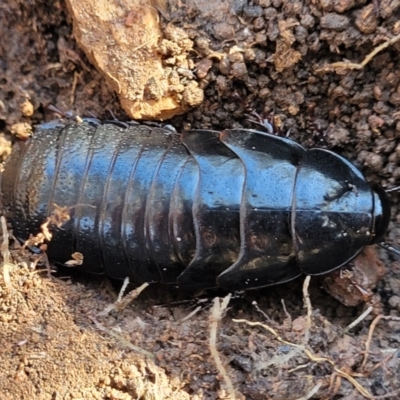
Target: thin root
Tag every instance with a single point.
(122, 303)
(217, 313)
(311, 356)
(264, 314)
(119, 90)
(371, 332)
(122, 340)
(288, 316)
(367, 59)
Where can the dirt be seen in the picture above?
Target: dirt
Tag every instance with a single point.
(289, 62)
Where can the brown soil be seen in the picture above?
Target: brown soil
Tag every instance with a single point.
(269, 56)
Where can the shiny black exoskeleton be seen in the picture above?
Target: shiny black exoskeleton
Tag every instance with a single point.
(238, 209)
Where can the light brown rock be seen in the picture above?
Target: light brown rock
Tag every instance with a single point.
(121, 38)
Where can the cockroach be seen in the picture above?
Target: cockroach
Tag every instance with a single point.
(237, 209)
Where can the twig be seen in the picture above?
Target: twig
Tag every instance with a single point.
(359, 319)
(123, 288)
(120, 304)
(73, 89)
(6, 254)
(43, 257)
(307, 304)
(313, 391)
(216, 315)
(190, 315)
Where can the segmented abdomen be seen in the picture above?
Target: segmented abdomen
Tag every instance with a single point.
(201, 209)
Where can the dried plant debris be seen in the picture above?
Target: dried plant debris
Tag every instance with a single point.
(286, 57)
(69, 337)
(355, 285)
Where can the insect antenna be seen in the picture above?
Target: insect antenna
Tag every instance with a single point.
(67, 114)
(390, 248)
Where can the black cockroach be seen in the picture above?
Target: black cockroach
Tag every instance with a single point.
(238, 209)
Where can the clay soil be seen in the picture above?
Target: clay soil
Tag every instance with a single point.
(60, 335)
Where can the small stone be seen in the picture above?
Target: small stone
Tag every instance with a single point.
(335, 22)
(27, 108)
